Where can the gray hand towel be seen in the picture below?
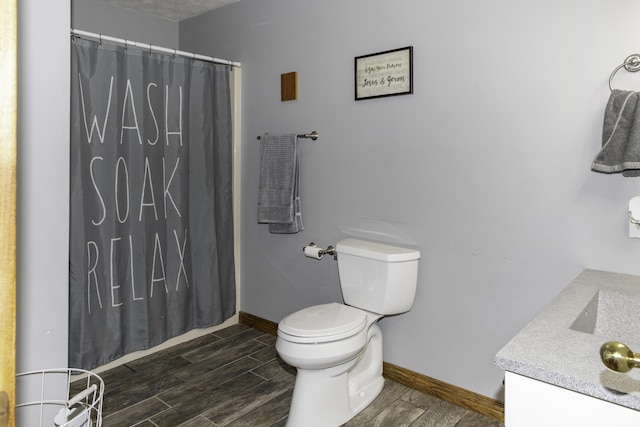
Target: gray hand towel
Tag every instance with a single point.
(620, 136)
(278, 195)
(295, 225)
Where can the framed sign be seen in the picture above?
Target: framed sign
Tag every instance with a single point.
(386, 73)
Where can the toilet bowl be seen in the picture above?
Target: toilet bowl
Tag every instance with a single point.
(337, 351)
(337, 348)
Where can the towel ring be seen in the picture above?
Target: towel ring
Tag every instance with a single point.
(631, 64)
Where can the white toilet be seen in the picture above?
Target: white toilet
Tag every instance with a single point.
(337, 348)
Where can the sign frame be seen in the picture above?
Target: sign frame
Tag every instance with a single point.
(382, 74)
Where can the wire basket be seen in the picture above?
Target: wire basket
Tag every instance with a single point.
(59, 397)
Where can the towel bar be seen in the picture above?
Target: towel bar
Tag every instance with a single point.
(631, 64)
(313, 135)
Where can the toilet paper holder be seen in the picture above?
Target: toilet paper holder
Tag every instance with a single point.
(329, 251)
(634, 217)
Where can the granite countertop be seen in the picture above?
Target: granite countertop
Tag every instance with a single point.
(553, 349)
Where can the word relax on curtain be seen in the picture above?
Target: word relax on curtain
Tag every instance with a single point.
(147, 201)
(94, 258)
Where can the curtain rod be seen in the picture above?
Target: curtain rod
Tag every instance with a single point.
(101, 37)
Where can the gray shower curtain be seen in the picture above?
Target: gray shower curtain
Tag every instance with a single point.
(151, 244)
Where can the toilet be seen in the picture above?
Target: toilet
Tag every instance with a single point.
(337, 348)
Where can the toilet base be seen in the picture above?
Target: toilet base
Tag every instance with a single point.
(331, 397)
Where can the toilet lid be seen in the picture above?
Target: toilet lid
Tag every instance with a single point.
(325, 322)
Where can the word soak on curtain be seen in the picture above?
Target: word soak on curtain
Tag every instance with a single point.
(151, 250)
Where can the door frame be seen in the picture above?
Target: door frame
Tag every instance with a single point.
(8, 159)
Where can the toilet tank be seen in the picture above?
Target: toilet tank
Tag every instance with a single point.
(377, 277)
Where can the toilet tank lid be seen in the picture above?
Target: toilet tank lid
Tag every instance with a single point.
(377, 251)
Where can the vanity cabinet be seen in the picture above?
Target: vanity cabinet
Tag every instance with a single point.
(533, 403)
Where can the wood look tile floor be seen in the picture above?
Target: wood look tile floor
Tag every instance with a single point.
(233, 377)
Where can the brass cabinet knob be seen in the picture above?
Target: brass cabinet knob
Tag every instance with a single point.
(618, 357)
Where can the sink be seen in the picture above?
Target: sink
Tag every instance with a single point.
(561, 345)
(611, 314)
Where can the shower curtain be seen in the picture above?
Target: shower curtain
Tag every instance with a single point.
(151, 241)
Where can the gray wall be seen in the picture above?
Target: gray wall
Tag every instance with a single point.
(486, 168)
(103, 18)
(43, 184)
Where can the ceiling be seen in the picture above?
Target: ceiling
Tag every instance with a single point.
(175, 10)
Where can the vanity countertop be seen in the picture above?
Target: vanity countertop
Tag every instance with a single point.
(548, 350)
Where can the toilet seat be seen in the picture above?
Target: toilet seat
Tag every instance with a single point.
(322, 323)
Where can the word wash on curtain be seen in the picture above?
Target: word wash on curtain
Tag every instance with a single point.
(151, 249)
